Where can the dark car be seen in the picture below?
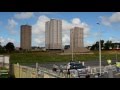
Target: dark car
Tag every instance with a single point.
(76, 65)
(77, 69)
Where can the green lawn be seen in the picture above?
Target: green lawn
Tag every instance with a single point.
(43, 57)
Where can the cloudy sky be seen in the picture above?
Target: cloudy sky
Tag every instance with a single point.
(108, 29)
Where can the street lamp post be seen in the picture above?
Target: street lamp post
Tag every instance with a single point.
(99, 53)
(116, 56)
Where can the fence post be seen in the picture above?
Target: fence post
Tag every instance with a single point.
(83, 63)
(90, 71)
(37, 70)
(18, 69)
(110, 73)
(3, 60)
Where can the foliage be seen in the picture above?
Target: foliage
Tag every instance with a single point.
(96, 45)
(2, 49)
(10, 47)
(3, 68)
(106, 46)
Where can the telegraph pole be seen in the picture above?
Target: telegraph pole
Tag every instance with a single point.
(99, 53)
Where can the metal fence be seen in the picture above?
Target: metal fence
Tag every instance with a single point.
(21, 71)
(104, 69)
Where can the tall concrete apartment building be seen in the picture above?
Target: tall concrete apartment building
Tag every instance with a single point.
(76, 35)
(53, 34)
(77, 41)
(25, 37)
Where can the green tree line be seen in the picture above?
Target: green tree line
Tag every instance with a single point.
(104, 45)
(9, 47)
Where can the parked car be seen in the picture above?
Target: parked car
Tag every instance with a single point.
(75, 65)
(77, 68)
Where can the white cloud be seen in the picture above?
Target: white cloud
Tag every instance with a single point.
(24, 15)
(87, 43)
(39, 41)
(4, 41)
(76, 21)
(98, 34)
(10, 40)
(111, 38)
(39, 26)
(114, 18)
(11, 25)
(114, 39)
(66, 25)
(105, 21)
(38, 29)
(66, 37)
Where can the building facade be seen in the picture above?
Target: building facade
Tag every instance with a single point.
(26, 37)
(76, 36)
(53, 34)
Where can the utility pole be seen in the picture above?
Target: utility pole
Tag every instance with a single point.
(99, 53)
(116, 56)
(100, 56)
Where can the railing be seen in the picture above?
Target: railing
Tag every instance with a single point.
(104, 69)
(21, 71)
(56, 74)
(3, 72)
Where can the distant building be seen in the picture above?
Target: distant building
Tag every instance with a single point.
(76, 41)
(34, 48)
(116, 45)
(25, 43)
(17, 48)
(53, 34)
(76, 36)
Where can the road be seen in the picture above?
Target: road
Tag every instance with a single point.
(87, 63)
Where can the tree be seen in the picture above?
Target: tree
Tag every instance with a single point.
(20, 49)
(1, 47)
(96, 45)
(10, 47)
(108, 45)
(93, 47)
(102, 43)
